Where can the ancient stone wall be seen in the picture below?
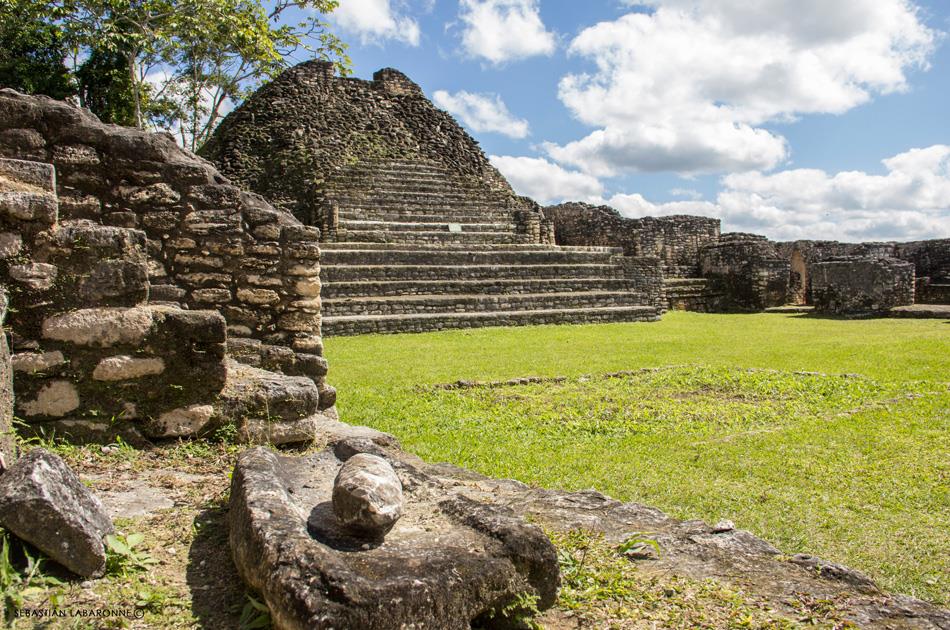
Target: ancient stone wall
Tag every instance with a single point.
(675, 240)
(745, 272)
(300, 129)
(931, 259)
(7, 442)
(207, 244)
(859, 285)
(646, 275)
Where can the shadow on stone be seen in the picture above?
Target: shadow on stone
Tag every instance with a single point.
(217, 592)
(326, 528)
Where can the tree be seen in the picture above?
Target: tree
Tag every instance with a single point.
(32, 53)
(183, 60)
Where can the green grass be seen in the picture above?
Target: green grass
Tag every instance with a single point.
(853, 468)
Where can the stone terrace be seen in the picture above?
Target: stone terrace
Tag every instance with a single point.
(416, 247)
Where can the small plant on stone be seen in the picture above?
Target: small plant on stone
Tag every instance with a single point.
(124, 555)
(639, 545)
(522, 610)
(254, 615)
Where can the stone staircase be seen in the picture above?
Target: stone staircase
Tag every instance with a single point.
(413, 247)
(389, 288)
(688, 294)
(400, 201)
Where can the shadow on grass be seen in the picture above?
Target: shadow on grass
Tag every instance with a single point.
(217, 591)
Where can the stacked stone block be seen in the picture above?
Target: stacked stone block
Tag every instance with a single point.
(133, 268)
(675, 240)
(745, 272)
(861, 285)
(207, 244)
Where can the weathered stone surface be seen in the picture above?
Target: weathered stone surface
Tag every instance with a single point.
(857, 285)
(288, 545)
(367, 496)
(44, 503)
(253, 394)
(100, 326)
(7, 443)
(124, 367)
(11, 244)
(36, 276)
(54, 400)
(33, 362)
(181, 422)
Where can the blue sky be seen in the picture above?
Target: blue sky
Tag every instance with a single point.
(779, 118)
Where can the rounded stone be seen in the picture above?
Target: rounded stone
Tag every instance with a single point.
(367, 496)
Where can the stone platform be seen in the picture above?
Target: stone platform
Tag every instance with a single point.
(449, 562)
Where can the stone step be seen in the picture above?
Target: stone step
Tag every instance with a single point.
(491, 286)
(395, 272)
(430, 238)
(451, 195)
(437, 256)
(424, 226)
(349, 245)
(396, 166)
(474, 303)
(403, 183)
(356, 325)
(421, 215)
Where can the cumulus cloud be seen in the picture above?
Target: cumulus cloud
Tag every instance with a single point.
(375, 20)
(910, 201)
(688, 86)
(482, 113)
(504, 30)
(546, 182)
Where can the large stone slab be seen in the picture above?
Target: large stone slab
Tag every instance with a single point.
(448, 562)
(43, 502)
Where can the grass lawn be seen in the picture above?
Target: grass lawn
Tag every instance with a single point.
(851, 463)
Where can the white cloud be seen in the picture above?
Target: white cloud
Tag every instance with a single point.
(375, 20)
(687, 193)
(689, 86)
(504, 30)
(910, 201)
(546, 182)
(482, 113)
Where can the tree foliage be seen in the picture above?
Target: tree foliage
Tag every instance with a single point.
(173, 64)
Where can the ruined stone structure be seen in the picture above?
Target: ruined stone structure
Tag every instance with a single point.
(744, 272)
(420, 232)
(702, 270)
(931, 261)
(861, 285)
(137, 275)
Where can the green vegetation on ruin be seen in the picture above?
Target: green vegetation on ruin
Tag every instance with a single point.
(851, 462)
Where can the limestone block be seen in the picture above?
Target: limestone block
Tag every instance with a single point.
(29, 206)
(112, 279)
(75, 154)
(37, 362)
(124, 367)
(367, 495)
(43, 502)
(54, 400)
(37, 276)
(303, 270)
(11, 244)
(258, 296)
(181, 422)
(211, 296)
(307, 288)
(102, 327)
(299, 321)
